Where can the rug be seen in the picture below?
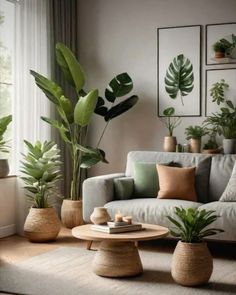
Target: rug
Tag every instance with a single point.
(67, 271)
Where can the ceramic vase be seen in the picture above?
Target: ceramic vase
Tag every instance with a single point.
(229, 146)
(4, 168)
(100, 215)
(192, 264)
(195, 145)
(170, 143)
(42, 225)
(71, 213)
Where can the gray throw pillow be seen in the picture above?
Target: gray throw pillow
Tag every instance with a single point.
(123, 187)
(229, 194)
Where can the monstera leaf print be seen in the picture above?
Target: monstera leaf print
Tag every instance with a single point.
(179, 77)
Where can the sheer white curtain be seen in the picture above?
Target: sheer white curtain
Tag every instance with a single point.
(32, 52)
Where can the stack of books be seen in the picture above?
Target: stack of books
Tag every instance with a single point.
(117, 227)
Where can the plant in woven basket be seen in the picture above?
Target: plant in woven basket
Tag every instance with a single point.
(190, 224)
(41, 167)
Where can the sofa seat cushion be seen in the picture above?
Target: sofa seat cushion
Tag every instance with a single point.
(149, 210)
(226, 221)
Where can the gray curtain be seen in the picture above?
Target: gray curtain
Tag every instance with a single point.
(64, 28)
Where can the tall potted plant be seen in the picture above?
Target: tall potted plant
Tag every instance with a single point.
(192, 262)
(4, 148)
(195, 134)
(41, 169)
(74, 119)
(224, 121)
(171, 122)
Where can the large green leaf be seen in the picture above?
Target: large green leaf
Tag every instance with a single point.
(121, 108)
(85, 108)
(64, 132)
(50, 88)
(121, 85)
(70, 66)
(179, 77)
(65, 109)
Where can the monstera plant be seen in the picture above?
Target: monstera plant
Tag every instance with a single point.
(75, 117)
(179, 77)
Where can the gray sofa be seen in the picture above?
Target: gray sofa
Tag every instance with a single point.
(212, 175)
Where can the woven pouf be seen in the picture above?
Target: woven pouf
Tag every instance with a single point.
(192, 264)
(42, 225)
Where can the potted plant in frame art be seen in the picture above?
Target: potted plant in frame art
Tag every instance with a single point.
(171, 123)
(4, 148)
(192, 263)
(41, 169)
(74, 119)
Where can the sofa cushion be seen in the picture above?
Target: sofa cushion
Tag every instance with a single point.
(229, 194)
(221, 170)
(145, 180)
(149, 210)
(226, 221)
(123, 187)
(176, 183)
(201, 161)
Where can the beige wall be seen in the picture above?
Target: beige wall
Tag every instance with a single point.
(118, 36)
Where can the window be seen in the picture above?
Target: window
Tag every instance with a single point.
(7, 48)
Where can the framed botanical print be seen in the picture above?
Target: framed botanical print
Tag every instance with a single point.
(225, 80)
(221, 43)
(179, 60)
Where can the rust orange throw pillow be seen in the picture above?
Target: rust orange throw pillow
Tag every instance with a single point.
(176, 183)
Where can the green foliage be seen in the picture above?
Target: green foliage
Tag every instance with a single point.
(179, 77)
(41, 167)
(212, 143)
(4, 122)
(217, 92)
(74, 118)
(195, 132)
(169, 121)
(190, 224)
(220, 47)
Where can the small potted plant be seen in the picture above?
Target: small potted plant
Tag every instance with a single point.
(211, 146)
(192, 262)
(195, 134)
(219, 49)
(41, 167)
(4, 148)
(171, 122)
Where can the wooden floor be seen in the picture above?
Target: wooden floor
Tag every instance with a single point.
(16, 248)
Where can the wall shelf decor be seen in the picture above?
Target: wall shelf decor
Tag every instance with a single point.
(214, 76)
(178, 70)
(221, 43)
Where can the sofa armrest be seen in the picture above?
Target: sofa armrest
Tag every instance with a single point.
(97, 191)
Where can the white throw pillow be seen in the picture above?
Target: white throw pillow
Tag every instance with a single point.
(229, 194)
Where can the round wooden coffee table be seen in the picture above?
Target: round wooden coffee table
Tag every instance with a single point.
(117, 255)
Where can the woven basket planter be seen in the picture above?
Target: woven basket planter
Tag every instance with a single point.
(192, 264)
(42, 225)
(71, 213)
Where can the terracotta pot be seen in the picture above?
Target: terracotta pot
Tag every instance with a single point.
(192, 264)
(211, 151)
(170, 143)
(229, 146)
(219, 54)
(71, 213)
(4, 168)
(100, 215)
(195, 145)
(42, 225)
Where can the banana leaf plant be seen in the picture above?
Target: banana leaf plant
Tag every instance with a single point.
(74, 118)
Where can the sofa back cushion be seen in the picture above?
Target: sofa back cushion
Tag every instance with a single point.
(202, 163)
(221, 170)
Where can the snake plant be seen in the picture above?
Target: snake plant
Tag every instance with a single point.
(41, 167)
(190, 224)
(179, 77)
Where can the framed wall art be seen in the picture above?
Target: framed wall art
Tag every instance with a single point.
(221, 43)
(216, 76)
(179, 60)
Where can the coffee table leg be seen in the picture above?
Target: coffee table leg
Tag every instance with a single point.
(117, 259)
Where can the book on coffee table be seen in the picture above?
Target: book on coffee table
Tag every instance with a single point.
(117, 229)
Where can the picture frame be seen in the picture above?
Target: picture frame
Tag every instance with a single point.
(220, 43)
(215, 75)
(181, 55)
